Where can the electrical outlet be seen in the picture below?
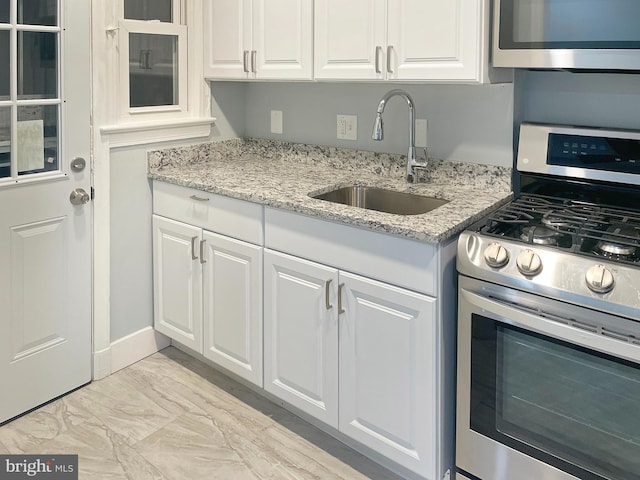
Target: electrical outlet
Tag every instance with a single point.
(276, 121)
(421, 133)
(347, 127)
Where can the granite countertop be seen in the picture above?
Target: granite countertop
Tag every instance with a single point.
(282, 175)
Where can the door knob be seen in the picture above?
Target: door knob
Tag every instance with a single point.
(79, 197)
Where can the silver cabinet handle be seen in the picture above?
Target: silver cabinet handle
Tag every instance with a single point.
(340, 309)
(202, 259)
(245, 61)
(254, 54)
(198, 199)
(389, 52)
(193, 248)
(327, 286)
(378, 52)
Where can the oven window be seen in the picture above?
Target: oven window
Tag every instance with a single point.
(570, 407)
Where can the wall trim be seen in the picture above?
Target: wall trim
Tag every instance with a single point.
(136, 346)
(101, 363)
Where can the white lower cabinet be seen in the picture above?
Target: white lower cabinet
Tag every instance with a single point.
(387, 371)
(355, 353)
(301, 335)
(232, 301)
(177, 282)
(208, 295)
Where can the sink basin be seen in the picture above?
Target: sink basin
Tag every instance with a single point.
(382, 200)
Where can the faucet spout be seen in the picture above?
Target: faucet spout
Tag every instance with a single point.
(378, 130)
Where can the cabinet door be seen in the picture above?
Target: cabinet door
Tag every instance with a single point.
(232, 290)
(177, 281)
(227, 38)
(435, 39)
(388, 365)
(301, 334)
(350, 39)
(283, 39)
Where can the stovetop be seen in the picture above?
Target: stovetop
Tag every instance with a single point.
(574, 226)
(573, 231)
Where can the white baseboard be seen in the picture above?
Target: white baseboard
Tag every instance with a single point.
(136, 346)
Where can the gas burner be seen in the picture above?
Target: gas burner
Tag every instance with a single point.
(619, 243)
(540, 235)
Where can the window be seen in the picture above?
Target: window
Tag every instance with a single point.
(153, 58)
(30, 103)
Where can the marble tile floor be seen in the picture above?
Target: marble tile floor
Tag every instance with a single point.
(171, 417)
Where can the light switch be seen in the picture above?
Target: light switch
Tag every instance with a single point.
(276, 121)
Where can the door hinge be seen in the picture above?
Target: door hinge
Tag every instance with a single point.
(93, 193)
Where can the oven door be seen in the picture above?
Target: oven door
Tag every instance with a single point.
(545, 389)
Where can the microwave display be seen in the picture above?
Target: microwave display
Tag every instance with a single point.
(569, 24)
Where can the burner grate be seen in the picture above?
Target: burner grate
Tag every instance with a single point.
(575, 225)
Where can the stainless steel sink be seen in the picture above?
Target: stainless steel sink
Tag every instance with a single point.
(382, 200)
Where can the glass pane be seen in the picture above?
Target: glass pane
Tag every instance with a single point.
(577, 404)
(148, 10)
(5, 142)
(37, 65)
(153, 70)
(37, 148)
(38, 12)
(5, 62)
(4, 11)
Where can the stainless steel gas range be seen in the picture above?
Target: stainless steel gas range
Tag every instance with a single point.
(549, 315)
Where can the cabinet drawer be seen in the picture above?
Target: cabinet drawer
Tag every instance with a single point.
(228, 216)
(402, 262)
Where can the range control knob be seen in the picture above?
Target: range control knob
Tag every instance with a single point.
(529, 263)
(496, 255)
(599, 279)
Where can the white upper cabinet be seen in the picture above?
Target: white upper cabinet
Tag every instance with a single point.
(259, 39)
(349, 39)
(428, 40)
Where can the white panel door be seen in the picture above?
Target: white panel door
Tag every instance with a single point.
(177, 281)
(45, 241)
(350, 39)
(283, 39)
(227, 33)
(301, 334)
(434, 39)
(232, 296)
(388, 389)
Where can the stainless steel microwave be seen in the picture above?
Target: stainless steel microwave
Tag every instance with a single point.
(567, 34)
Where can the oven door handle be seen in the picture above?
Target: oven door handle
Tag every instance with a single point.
(510, 314)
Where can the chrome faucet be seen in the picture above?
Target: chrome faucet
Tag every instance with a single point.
(378, 133)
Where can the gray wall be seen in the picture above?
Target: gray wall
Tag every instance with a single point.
(465, 122)
(587, 99)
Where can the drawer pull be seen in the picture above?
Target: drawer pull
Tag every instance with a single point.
(202, 259)
(327, 288)
(198, 199)
(193, 248)
(340, 309)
